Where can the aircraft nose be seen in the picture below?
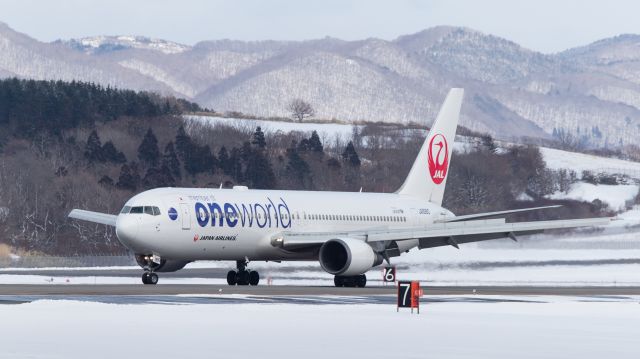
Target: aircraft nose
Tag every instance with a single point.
(127, 229)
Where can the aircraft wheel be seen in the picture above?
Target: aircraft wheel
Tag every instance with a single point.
(242, 278)
(254, 278)
(145, 278)
(361, 281)
(153, 278)
(232, 277)
(338, 281)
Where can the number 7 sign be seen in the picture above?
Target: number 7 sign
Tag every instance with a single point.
(409, 295)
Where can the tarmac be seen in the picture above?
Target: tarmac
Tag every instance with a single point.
(374, 291)
(284, 290)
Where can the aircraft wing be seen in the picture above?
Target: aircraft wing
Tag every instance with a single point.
(498, 213)
(95, 217)
(440, 234)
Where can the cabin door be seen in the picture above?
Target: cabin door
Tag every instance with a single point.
(186, 216)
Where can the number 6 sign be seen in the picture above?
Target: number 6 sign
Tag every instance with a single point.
(389, 274)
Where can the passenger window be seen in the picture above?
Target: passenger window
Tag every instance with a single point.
(136, 210)
(125, 209)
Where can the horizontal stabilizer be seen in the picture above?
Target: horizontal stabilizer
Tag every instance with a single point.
(95, 217)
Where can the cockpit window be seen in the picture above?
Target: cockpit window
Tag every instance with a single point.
(150, 210)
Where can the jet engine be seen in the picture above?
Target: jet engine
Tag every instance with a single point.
(348, 257)
(165, 265)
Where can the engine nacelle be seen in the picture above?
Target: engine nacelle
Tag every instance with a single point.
(165, 265)
(348, 257)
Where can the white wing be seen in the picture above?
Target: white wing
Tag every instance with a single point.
(95, 217)
(440, 234)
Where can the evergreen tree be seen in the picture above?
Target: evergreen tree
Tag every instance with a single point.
(170, 161)
(148, 151)
(258, 139)
(129, 178)
(246, 152)
(350, 156)
(304, 145)
(314, 143)
(259, 172)
(224, 161)
(235, 165)
(111, 154)
(297, 167)
(201, 160)
(183, 144)
(93, 149)
(158, 177)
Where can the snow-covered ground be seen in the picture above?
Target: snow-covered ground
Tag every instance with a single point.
(325, 130)
(559, 159)
(616, 196)
(459, 327)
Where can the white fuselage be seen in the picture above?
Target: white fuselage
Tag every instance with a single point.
(234, 224)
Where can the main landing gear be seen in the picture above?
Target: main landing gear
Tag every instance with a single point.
(242, 276)
(350, 281)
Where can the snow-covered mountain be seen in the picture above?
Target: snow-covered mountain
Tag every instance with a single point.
(592, 92)
(113, 43)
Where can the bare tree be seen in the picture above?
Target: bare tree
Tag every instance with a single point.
(300, 109)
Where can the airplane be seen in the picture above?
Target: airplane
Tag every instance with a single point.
(348, 233)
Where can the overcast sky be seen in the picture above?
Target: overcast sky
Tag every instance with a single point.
(543, 25)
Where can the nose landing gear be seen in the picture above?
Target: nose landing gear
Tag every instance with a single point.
(147, 263)
(149, 278)
(243, 276)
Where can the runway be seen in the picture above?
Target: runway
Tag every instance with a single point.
(285, 290)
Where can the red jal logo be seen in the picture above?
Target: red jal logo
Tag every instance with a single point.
(196, 237)
(438, 158)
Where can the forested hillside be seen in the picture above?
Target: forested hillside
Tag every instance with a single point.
(79, 145)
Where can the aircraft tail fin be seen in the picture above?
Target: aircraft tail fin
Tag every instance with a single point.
(428, 175)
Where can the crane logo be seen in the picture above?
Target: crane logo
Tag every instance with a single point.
(438, 158)
(196, 237)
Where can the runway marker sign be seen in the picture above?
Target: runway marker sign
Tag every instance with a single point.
(388, 274)
(409, 295)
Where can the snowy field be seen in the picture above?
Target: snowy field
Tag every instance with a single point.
(558, 159)
(455, 327)
(615, 196)
(325, 130)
